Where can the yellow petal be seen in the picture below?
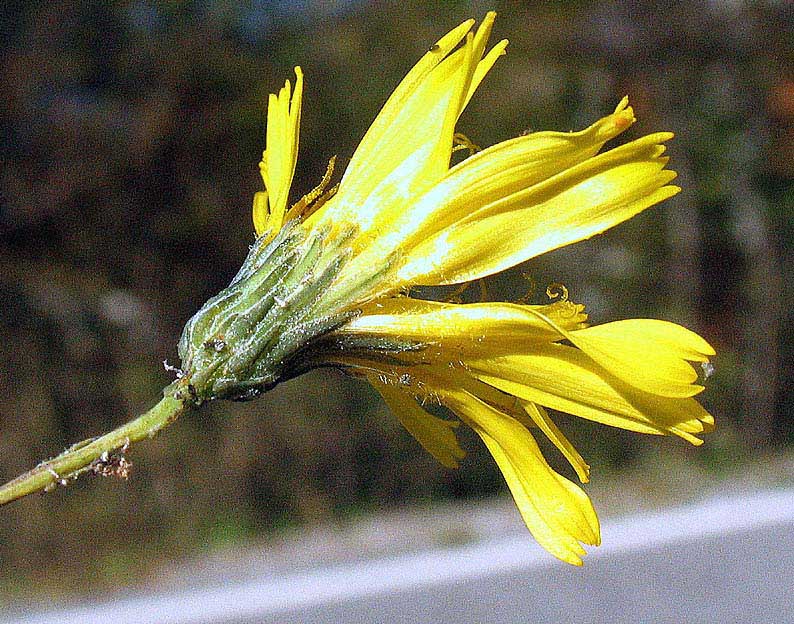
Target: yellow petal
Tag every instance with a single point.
(648, 354)
(558, 513)
(484, 178)
(544, 422)
(580, 202)
(485, 65)
(261, 212)
(280, 156)
(507, 168)
(465, 328)
(421, 101)
(408, 147)
(566, 379)
(436, 435)
(479, 66)
(413, 132)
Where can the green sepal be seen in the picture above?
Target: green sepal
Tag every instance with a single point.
(246, 339)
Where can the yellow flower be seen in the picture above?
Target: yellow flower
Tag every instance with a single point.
(326, 283)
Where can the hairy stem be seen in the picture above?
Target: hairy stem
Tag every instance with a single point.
(96, 452)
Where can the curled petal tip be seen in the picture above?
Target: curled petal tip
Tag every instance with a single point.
(624, 119)
(623, 116)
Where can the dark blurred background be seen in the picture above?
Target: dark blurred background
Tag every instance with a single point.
(131, 133)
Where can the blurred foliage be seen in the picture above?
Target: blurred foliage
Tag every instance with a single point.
(132, 132)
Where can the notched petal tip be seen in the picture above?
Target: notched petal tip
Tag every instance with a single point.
(708, 424)
(668, 191)
(685, 435)
(653, 356)
(622, 105)
(667, 175)
(623, 116)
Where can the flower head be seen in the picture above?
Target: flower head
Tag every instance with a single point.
(326, 282)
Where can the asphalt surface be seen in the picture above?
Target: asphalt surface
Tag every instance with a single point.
(726, 560)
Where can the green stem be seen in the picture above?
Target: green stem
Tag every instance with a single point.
(82, 456)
